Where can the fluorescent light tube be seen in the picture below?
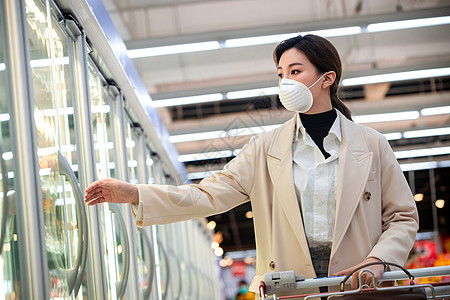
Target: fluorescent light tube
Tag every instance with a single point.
(197, 136)
(435, 111)
(252, 93)
(205, 155)
(258, 40)
(425, 165)
(173, 49)
(398, 76)
(190, 137)
(335, 31)
(208, 155)
(406, 24)
(187, 100)
(426, 132)
(422, 152)
(397, 116)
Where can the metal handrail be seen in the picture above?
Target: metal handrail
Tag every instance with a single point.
(76, 274)
(122, 284)
(166, 260)
(180, 283)
(151, 271)
(387, 276)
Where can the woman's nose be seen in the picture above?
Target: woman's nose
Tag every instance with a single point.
(287, 76)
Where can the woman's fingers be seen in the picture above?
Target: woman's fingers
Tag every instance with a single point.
(96, 201)
(93, 195)
(96, 193)
(111, 190)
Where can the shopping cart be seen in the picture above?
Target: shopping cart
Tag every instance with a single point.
(281, 282)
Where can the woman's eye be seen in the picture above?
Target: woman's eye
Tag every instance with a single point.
(280, 75)
(293, 72)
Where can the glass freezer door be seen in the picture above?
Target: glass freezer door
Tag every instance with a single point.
(64, 213)
(9, 252)
(116, 252)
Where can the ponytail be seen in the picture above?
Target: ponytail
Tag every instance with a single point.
(337, 103)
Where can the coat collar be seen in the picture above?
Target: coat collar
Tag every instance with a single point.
(353, 170)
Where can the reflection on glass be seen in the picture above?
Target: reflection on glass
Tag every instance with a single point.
(130, 139)
(105, 166)
(55, 131)
(10, 285)
(144, 261)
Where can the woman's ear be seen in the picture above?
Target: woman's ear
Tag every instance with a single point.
(329, 79)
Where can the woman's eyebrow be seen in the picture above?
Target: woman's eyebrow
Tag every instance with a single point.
(291, 65)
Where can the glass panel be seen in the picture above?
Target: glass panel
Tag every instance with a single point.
(105, 166)
(9, 258)
(52, 88)
(185, 257)
(161, 261)
(174, 260)
(143, 258)
(131, 139)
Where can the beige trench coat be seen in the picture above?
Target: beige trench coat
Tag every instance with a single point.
(383, 226)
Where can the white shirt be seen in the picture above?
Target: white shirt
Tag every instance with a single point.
(315, 182)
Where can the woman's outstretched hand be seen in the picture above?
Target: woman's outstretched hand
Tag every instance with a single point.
(366, 277)
(111, 190)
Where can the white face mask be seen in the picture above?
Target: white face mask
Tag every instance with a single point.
(295, 96)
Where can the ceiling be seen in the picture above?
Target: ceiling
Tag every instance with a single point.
(157, 23)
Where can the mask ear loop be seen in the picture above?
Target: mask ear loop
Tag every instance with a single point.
(317, 80)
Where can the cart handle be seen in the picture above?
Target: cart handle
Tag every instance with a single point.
(411, 277)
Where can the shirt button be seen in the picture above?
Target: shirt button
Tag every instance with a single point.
(272, 265)
(367, 196)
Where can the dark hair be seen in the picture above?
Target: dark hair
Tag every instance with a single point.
(324, 56)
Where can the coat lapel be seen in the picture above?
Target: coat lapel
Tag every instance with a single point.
(353, 170)
(279, 161)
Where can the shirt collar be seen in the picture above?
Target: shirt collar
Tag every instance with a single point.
(335, 128)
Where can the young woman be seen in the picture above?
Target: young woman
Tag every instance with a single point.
(327, 194)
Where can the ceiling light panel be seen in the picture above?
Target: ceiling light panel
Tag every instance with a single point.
(407, 24)
(173, 49)
(425, 165)
(435, 111)
(422, 152)
(426, 132)
(252, 93)
(398, 76)
(397, 116)
(187, 100)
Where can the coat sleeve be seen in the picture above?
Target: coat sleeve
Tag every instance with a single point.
(162, 204)
(400, 220)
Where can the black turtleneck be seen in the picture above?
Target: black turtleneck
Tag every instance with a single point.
(318, 126)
